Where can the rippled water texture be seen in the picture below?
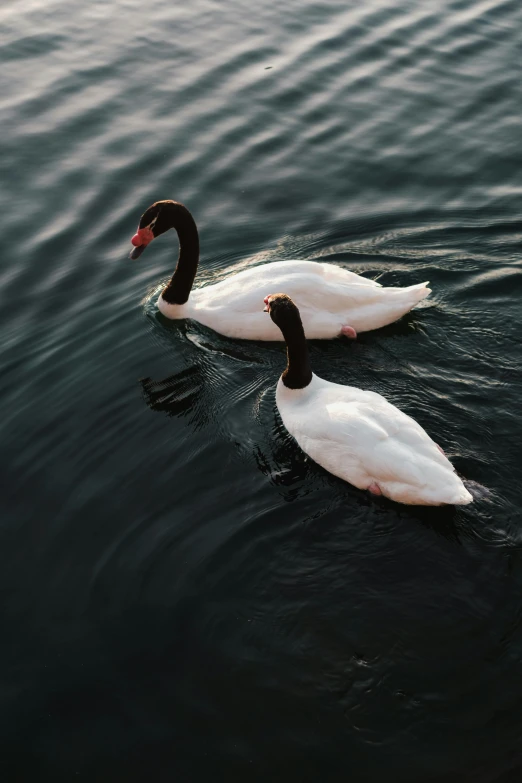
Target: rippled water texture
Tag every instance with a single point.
(184, 596)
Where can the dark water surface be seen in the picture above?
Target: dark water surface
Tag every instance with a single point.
(184, 596)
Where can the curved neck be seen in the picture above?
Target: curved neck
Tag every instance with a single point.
(178, 290)
(298, 373)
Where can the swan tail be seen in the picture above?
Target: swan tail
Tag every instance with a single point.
(476, 490)
(416, 293)
(405, 299)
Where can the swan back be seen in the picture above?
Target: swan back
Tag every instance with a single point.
(362, 438)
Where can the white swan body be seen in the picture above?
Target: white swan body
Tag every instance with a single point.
(358, 435)
(329, 297)
(362, 438)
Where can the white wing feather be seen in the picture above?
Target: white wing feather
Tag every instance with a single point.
(362, 438)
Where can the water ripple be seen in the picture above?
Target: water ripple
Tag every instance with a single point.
(160, 526)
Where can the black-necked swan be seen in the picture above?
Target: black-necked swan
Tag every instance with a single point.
(333, 301)
(358, 435)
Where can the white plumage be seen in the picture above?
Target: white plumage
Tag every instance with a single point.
(362, 438)
(329, 297)
(358, 435)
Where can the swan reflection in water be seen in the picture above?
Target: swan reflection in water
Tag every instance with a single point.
(192, 394)
(177, 395)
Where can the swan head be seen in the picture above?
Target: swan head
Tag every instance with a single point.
(281, 309)
(157, 219)
(283, 312)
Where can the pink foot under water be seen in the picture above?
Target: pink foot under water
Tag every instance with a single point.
(374, 489)
(348, 331)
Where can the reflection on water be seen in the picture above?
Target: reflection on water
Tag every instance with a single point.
(185, 595)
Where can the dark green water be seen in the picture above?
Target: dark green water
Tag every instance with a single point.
(183, 596)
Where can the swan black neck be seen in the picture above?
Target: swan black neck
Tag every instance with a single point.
(298, 373)
(178, 217)
(285, 315)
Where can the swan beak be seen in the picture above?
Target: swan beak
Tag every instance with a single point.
(266, 309)
(141, 239)
(136, 252)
